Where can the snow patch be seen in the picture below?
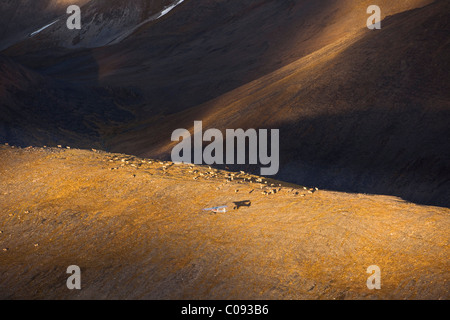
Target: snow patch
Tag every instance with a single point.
(152, 18)
(43, 28)
(168, 9)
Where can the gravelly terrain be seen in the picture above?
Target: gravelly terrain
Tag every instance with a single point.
(137, 230)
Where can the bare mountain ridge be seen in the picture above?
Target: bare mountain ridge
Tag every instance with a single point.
(359, 110)
(203, 50)
(368, 113)
(103, 21)
(137, 230)
(36, 109)
(19, 18)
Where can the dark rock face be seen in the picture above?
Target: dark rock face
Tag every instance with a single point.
(19, 18)
(37, 110)
(103, 21)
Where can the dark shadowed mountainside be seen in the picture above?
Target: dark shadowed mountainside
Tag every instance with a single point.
(19, 18)
(358, 110)
(86, 118)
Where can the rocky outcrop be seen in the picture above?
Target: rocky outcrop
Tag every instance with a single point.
(19, 18)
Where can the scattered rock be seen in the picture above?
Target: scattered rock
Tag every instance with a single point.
(311, 287)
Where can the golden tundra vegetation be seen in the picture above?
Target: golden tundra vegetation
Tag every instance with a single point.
(358, 110)
(136, 228)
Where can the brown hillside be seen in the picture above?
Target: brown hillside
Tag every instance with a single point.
(18, 18)
(359, 110)
(137, 230)
(368, 112)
